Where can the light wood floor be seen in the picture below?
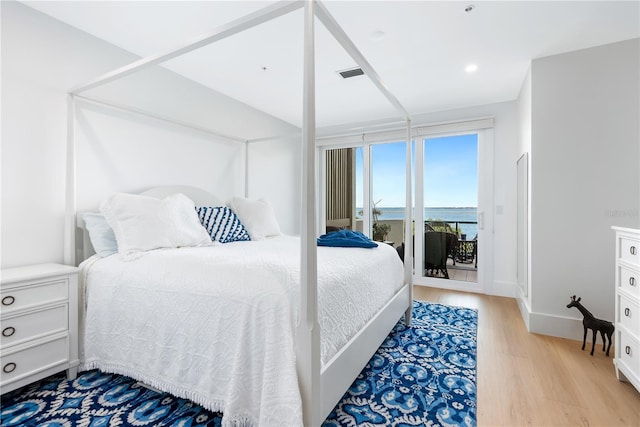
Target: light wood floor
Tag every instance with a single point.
(527, 379)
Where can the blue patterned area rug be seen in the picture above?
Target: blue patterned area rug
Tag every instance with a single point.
(423, 375)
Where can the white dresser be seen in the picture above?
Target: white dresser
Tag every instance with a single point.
(627, 315)
(39, 323)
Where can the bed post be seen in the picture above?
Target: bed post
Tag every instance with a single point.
(408, 229)
(70, 189)
(308, 334)
(246, 169)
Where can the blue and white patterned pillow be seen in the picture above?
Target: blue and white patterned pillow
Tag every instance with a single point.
(222, 224)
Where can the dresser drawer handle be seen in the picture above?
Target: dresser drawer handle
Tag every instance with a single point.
(627, 350)
(9, 367)
(8, 331)
(633, 250)
(8, 300)
(627, 312)
(632, 281)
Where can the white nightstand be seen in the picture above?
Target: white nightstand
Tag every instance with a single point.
(39, 323)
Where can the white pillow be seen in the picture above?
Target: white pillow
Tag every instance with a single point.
(101, 235)
(142, 223)
(257, 216)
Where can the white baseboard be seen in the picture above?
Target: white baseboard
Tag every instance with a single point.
(525, 311)
(560, 326)
(557, 326)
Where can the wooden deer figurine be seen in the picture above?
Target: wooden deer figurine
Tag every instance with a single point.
(597, 325)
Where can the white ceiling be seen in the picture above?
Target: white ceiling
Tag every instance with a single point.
(419, 48)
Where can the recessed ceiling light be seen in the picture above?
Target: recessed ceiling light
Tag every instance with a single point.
(469, 8)
(471, 68)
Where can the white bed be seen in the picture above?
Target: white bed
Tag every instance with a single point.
(322, 378)
(217, 324)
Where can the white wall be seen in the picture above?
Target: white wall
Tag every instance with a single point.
(585, 157)
(42, 59)
(117, 152)
(276, 176)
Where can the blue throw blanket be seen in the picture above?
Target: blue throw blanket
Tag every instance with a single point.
(347, 239)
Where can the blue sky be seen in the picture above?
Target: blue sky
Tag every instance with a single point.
(451, 172)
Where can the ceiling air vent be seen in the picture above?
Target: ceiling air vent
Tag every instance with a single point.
(352, 72)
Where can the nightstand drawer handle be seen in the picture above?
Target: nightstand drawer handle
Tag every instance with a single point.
(8, 300)
(8, 331)
(633, 250)
(9, 367)
(627, 312)
(627, 350)
(632, 281)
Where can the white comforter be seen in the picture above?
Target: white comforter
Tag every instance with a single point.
(217, 324)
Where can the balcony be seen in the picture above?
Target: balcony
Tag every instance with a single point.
(462, 265)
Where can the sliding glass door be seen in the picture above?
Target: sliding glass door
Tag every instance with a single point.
(447, 211)
(452, 207)
(380, 191)
(388, 183)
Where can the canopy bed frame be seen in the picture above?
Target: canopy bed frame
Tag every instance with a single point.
(321, 387)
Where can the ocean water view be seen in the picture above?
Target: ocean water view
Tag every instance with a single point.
(447, 214)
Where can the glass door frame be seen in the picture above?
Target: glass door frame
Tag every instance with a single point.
(367, 184)
(485, 214)
(483, 127)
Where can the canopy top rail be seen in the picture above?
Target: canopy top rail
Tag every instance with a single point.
(234, 27)
(244, 23)
(175, 122)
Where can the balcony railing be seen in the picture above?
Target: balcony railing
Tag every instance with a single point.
(396, 234)
(449, 226)
(466, 251)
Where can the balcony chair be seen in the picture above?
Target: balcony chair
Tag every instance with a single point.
(437, 247)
